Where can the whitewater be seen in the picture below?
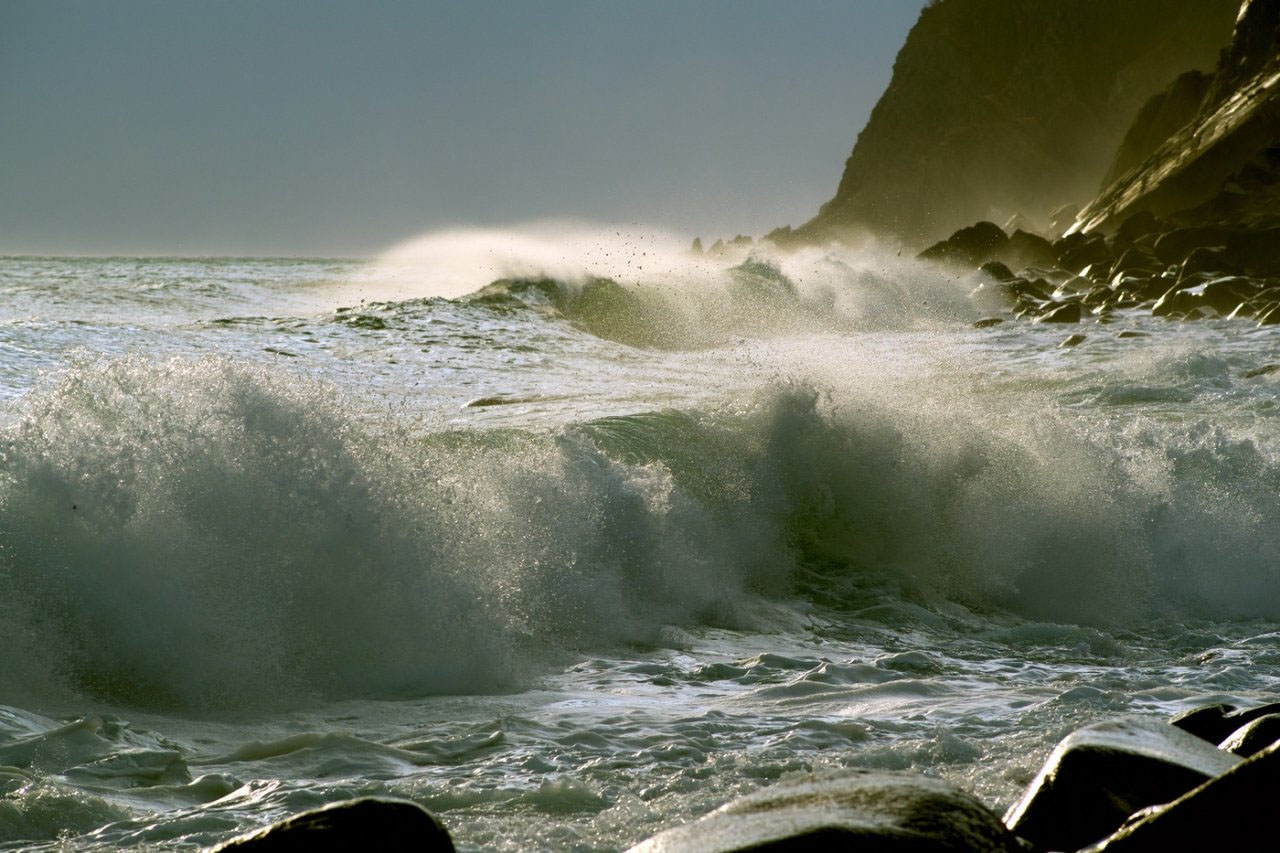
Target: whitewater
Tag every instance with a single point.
(570, 535)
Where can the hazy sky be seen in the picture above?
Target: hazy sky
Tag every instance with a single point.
(338, 128)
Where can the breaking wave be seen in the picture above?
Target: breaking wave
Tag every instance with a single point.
(210, 534)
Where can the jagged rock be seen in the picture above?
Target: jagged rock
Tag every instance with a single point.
(1062, 217)
(1255, 251)
(998, 271)
(1025, 249)
(860, 810)
(1255, 735)
(1077, 253)
(1232, 811)
(1067, 312)
(998, 106)
(1173, 246)
(1208, 259)
(1102, 773)
(1175, 301)
(1166, 112)
(1215, 722)
(1071, 341)
(1017, 222)
(363, 824)
(1222, 166)
(1136, 261)
(1138, 225)
(969, 246)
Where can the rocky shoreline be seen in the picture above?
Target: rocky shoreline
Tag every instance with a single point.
(1202, 780)
(1147, 265)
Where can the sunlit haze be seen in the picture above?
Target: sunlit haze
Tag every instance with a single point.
(285, 127)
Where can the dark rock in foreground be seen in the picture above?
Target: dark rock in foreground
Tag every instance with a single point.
(1253, 737)
(1101, 774)
(1233, 811)
(1216, 722)
(364, 824)
(857, 810)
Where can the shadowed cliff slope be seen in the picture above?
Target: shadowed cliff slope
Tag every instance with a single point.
(999, 107)
(1221, 163)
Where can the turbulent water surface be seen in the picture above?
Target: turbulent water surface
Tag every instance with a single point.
(583, 553)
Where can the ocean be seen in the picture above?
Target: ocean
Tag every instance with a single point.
(571, 538)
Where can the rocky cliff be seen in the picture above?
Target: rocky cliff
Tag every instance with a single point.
(1220, 164)
(998, 107)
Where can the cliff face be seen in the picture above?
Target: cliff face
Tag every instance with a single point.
(999, 107)
(1222, 164)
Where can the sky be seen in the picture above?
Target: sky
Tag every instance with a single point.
(338, 128)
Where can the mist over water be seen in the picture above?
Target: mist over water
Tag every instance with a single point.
(785, 511)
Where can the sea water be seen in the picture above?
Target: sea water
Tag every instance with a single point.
(582, 554)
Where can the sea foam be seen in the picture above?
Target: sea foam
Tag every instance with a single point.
(206, 533)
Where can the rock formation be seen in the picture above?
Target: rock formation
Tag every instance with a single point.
(1221, 164)
(999, 107)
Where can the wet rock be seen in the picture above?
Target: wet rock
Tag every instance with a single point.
(1256, 735)
(363, 824)
(1256, 251)
(1066, 312)
(988, 322)
(1101, 774)
(1072, 341)
(1025, 249)
(1017, 222)
(1215, 722)
(1061, 218)
(1136, 261)
(1265, 370)
(970, 246)
(1232, 811)
(1175, 300)
(1209, 259)
(1131, 333)
(1223, 294)
(1139, 224)
(998, 271)
(1089, 250)
(1160, 117)
(1268, 314)
(1173, 246)
(860, 810)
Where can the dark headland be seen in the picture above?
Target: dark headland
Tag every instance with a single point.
(1089, 156)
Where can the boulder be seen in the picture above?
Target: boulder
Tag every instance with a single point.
(1101, 774)
(860, 810)
(1172, 247)
(970, 246)
(1256, 250)
(1139, 224)
(1255, 735)
(1215, 722)
(363, 824)
(1209, 259)
(1025, 249)
(1088, 251)
(1066, 312)
(1232, 811)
